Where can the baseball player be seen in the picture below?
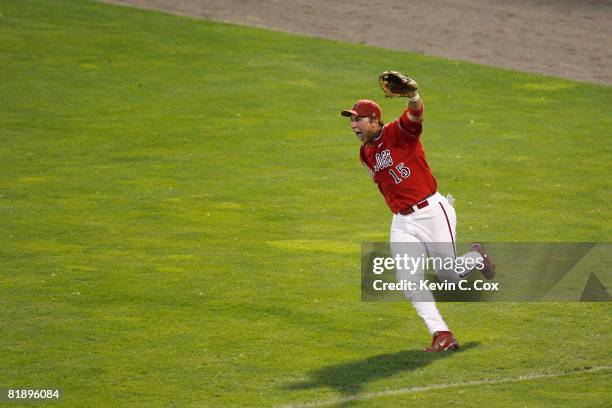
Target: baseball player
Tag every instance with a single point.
(424, 221)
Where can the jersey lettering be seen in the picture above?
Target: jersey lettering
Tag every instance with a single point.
(383, 160)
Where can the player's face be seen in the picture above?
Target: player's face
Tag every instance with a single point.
(363, 128)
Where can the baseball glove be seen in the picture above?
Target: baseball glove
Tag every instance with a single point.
(395, 83)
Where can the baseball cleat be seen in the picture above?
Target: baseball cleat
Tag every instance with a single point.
(489, 266)
(443, 341)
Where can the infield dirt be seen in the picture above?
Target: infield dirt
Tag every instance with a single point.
(564, 38)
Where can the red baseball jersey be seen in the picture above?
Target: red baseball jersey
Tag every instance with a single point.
(396, 162)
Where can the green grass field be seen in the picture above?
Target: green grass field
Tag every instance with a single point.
(182, 208)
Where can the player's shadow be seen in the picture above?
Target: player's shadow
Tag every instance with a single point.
(349, 378)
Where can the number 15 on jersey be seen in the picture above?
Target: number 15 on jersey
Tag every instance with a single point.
(400, 172)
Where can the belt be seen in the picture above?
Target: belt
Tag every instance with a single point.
(412, 208)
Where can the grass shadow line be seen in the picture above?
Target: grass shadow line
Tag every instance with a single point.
(350, 377)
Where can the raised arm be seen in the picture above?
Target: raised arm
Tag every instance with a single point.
(415, 107)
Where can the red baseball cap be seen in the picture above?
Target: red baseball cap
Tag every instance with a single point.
(363, 107)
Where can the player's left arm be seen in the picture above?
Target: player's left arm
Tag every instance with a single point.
(411, 120)
(415, 108)
(395, 84)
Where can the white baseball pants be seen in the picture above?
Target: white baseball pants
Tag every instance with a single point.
(427, 232)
